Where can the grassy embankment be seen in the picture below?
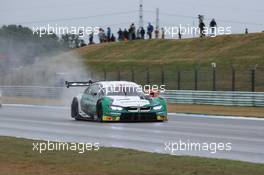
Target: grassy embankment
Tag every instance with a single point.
(17, 158)
(242, 52)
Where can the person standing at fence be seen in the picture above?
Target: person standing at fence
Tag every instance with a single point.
(150, 30)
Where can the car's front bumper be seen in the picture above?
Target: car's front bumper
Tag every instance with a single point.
(135, 117)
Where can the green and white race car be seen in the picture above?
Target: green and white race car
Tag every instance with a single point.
(113, 101)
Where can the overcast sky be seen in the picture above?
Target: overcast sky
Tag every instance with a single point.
(235, 13)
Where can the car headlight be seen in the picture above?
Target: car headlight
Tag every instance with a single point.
(116, 108)
(156, 108)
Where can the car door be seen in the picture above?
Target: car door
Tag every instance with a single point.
(94, 97)
(86, 100)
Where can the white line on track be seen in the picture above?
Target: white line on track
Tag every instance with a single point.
(216, 116)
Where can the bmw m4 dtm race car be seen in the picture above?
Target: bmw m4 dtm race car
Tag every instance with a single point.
(116, 101)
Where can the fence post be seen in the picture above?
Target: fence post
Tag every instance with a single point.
(132, 75)
(148, 76)
(162, 76)
(253, 79)
(196, 79)
(179, 80)
(233, 79)
(214, 78)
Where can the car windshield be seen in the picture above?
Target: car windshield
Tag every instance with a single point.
(124, 91)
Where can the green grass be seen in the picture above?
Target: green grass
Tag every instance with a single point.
(242, 52)
(17, 158)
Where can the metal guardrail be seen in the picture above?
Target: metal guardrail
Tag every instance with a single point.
(39, 92)
(31, 91)
(172, 96)
(215, 97)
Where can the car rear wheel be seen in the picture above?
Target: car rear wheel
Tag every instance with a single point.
(75, 110)
(100, 112)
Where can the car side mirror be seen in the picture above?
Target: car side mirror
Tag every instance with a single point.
(154, 94)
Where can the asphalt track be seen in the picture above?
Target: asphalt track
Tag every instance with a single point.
(55, 124)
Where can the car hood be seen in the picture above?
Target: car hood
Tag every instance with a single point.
(129, 101)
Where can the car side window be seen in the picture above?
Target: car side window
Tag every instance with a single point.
(94, 89)
(87, 90)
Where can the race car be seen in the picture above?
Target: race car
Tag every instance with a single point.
(116, 101)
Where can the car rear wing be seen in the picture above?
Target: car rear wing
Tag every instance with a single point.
(78, 84)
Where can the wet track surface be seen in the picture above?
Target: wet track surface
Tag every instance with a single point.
(55, 124)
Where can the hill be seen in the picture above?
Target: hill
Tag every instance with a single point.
(241, 52)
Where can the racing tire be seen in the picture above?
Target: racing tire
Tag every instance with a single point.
(99, 111)
(75, 110)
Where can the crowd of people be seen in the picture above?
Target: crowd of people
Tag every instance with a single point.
(128, 34)
(212, 26)
(132, 33)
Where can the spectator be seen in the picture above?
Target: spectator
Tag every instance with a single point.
(91, 38)
(162, 33)
(132, 32)
(138, 34)
(113, 38)
(201, 25)
(142, 33)
(82, 43)
(157, 33)
(126, 35)
(108, 34)
(246, 31)
(120, 35)
(213, 26)
(179, 33)
(150, 30)
(100, 35)
(104, 37)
